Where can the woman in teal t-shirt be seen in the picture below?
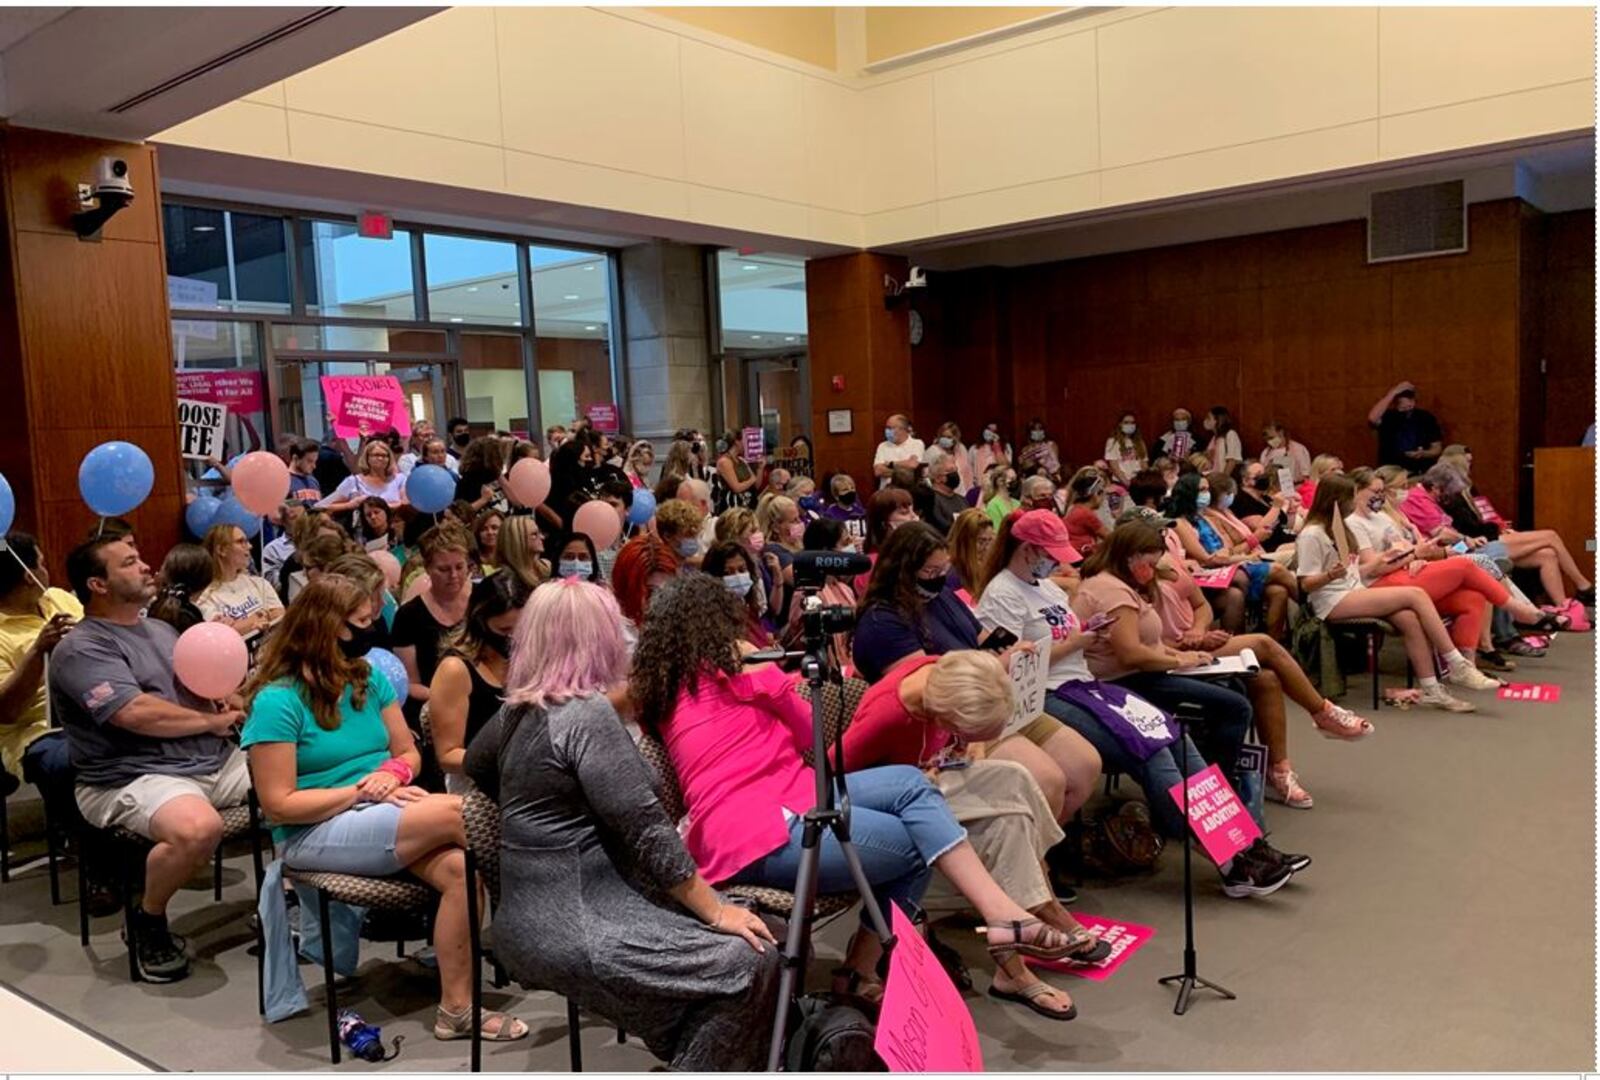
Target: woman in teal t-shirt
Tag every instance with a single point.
(332, 762)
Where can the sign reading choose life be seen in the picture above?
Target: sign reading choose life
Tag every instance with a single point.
(200, 428)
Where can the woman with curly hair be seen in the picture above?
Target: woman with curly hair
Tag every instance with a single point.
(735, 737)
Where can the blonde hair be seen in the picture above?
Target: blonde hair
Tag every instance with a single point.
(734, 523)
(969, 692)
(1323, 464)
(770, 511)
(1455, 455)
(360, 569)
(675, 517)
(514, 551)
(362, 466)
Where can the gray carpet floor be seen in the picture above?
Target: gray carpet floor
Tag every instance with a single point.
(1448, 924)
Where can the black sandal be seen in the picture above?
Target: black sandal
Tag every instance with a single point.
(1087, 948)
(1550, 622)
(1029, 996)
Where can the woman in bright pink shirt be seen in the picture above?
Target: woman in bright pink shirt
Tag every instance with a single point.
(735, 737)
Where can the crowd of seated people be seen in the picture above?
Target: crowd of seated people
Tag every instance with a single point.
(540, 661)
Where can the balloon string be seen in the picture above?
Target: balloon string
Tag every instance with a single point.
(102, 530)
(31, 576)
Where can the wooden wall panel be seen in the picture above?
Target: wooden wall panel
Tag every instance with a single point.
(1568, 323)
(89, 348)
(1293, 326)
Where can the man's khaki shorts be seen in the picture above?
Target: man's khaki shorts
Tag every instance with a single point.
(133, 805)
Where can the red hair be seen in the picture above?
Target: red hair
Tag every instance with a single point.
(639, 558)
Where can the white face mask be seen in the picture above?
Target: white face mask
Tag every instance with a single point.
(1043, 567)
(737, 584)
(1129, 429)
(575, 568)
(1180, 425)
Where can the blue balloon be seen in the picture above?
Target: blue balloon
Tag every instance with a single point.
(201, 514)
(115, 477)
(231, 512)
(430, 488)
(8, 506)
(389, 664)
(643, 508)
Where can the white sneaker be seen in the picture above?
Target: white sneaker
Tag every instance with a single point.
(1468, 676)
(1440, 698)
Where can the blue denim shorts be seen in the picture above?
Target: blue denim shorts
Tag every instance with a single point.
(358, 841)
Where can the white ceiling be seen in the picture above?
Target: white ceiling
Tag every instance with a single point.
(17, 23)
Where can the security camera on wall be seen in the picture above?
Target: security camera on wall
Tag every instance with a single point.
(109, 192)
(917, 278)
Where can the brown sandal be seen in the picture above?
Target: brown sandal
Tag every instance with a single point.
(449, 1025)
(1019, 944)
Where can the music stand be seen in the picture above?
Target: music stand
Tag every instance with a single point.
(1188, 979)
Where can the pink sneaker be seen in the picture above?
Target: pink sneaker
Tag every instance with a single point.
(1577, 617)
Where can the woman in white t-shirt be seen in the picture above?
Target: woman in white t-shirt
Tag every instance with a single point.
(236, 597)
(1126, 453)
(1224, 450)
(375, 477)
(1327, 554)
(1018, 595)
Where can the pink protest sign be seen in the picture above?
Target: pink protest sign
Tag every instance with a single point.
(1545, 692)
(1125, 939)
(603, 417)
(1219, 820)
(1487, 511)
(240, 391)
(924, 1026)
(364, 404)
(1215, 579)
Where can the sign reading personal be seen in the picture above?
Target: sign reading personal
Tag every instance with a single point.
(200, 428)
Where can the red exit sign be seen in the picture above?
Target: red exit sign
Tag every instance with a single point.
(375, 225)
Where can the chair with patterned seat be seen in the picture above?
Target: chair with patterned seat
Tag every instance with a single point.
(127, 851)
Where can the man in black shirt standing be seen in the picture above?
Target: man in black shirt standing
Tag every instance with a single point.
(1407, 436)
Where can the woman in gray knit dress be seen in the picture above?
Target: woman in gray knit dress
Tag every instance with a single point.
(600, 900)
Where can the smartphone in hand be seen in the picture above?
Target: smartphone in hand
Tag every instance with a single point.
(999, 640)
(1099, 622)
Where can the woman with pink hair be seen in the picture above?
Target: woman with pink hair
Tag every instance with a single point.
(646, 943)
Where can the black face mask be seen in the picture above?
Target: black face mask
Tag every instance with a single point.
(1261, 483)
(363, 639)
(847, 498)
(952, 480)
(930, 588)
(462, 438)
(1014, 490)
(500, 643)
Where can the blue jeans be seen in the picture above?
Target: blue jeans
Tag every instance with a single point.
(360, 840)
(1154, 776)
(47, 765)
(900, 826)
(1221, 730)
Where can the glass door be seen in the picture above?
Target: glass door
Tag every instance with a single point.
(299, 405)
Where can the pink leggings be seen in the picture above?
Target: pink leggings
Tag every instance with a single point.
(1459, 588)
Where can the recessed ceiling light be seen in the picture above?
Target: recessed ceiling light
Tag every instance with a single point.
(570, 296)
(457, 318)
(472, 288)
(204, 228)
(791, 337)
(755, 337)
(588, 266)
(750, 266)
(591, 328)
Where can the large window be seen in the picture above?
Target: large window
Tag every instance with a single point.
(226, 260)
(449, 315)
(572, 321)
(472, 281)
(761, 305)
(345, 273)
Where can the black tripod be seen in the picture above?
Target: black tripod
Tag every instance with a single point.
(1188, 980)
(830, 813)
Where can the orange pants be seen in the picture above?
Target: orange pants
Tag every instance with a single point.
(1460, 589)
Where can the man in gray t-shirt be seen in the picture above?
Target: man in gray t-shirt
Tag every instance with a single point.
(149, 756)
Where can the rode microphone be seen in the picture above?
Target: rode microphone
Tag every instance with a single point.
(811, 567)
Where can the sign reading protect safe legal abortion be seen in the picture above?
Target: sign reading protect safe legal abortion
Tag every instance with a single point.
(200, 428)
(923, 1026)
(1219, 820)
(366, 405)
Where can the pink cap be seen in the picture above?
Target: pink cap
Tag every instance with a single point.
(1044, 529)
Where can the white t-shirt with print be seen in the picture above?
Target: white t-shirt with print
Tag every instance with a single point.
(243, 596)
(1315, 553)
(1035, 612)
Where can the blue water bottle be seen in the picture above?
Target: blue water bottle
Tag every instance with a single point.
(364, 1040)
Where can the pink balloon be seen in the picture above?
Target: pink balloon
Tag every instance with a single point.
(529, 482)
(599, 520)
(211, 660)
(260, 482)
(390, 567)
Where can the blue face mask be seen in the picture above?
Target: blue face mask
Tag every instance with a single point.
(946, 442)
(1043, 567)
(576, 568)
(1225, 501)
(688, 548)
(1203, 499)
(737, 584)
(888, 434)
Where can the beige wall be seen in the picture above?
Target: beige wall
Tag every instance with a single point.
(626, 110)
(804, 33)
(896, 31)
